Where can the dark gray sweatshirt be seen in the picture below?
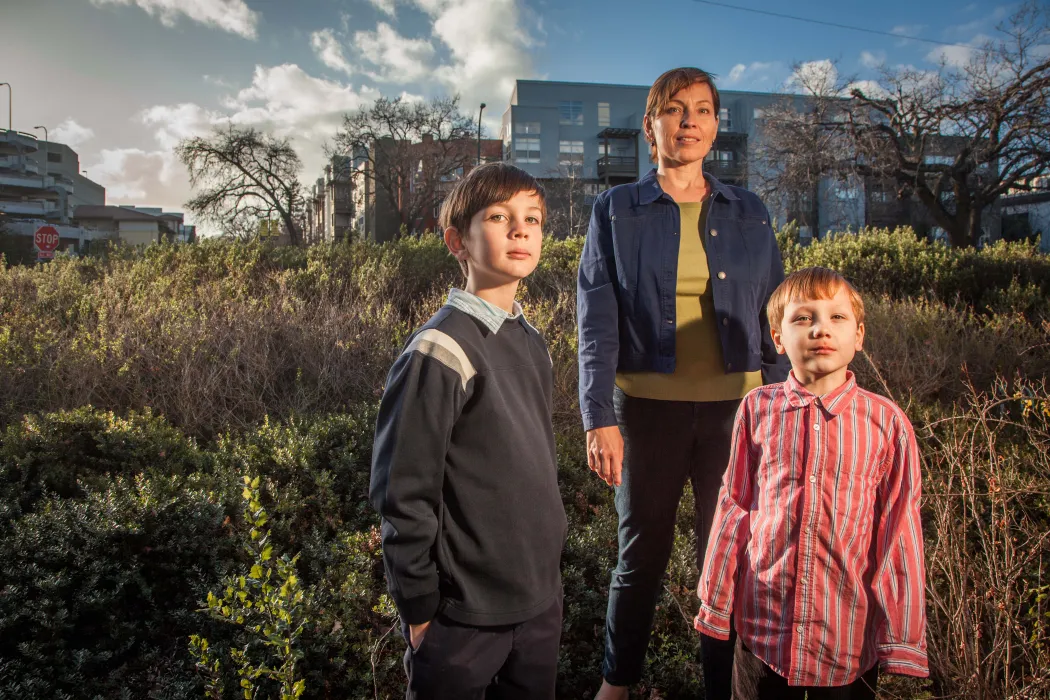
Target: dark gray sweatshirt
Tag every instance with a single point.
(464, 473)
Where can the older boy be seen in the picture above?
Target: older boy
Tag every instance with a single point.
(816, 548)
(464, 472)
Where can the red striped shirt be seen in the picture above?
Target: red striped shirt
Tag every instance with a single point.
(816, 546)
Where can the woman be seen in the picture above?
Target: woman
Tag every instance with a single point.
(673, 283)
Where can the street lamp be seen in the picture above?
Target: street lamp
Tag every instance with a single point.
(479, 131)
(10, 97)
(43, 179)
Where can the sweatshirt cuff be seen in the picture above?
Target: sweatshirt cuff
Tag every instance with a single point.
(416, 611)
(902, 660)
(713, 623)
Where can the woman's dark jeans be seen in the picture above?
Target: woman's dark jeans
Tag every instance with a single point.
(665, 443)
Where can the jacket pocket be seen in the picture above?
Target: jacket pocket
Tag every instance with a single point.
(627, 235)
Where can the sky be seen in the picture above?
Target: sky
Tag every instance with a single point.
(122, 81)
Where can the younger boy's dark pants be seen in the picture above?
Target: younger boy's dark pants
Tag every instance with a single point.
(505, 662)
(754, 680)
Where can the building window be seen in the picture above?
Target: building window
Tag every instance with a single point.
(846, 193)
(54, 157)
(725, 121)
(570, 152)
(527, 128)
(571, 113)
(603, 114)
(759, 113)
(526, 149)
(939, 160)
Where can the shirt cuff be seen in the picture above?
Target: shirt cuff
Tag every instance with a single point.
(903, 660)
(713, 623)
(416, 611)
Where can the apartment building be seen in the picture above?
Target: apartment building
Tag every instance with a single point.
(41, 180)
(591, 130)
(330, 203)
(375, 210)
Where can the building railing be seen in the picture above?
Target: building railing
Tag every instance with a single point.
(618, 162)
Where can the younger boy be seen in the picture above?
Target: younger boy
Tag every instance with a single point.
(816, 547)
(464, 472)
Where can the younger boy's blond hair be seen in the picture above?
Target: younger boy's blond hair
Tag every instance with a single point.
(811, 283)
(484, 186)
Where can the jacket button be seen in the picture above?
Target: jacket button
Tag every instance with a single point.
(729, 365)
(669, 322)
(725, 321)
(612, 218)
(721, 275)
(714, 232)
(763, 221)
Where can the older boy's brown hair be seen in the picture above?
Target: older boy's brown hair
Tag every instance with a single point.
(811, 283)
(670, 83)
(484, 186)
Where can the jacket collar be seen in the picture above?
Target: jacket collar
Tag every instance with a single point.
(834, 402)
(649, 189)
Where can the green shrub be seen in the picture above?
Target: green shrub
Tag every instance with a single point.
(99, 593)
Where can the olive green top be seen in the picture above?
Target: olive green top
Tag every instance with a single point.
(699, 368)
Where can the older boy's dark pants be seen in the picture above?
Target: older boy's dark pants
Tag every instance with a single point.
(505, 662)
(665, 443)
(754, 680)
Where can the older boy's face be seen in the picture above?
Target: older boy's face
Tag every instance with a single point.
(820, 336)
(504, 240)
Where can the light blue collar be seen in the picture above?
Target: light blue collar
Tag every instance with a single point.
(489, 314)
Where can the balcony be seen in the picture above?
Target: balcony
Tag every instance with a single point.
(28, 208)
(731, 172)
(617, 166)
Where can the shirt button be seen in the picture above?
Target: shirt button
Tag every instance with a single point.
(675, 233)
(816, 426)
(714, 232)
(800, 628)
(721, 275)
(612, 218)
(812, 479)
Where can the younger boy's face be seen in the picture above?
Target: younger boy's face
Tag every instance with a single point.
(820, 336)
(503, 243)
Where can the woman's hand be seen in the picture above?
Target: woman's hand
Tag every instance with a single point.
(416, 634)
(605, 453)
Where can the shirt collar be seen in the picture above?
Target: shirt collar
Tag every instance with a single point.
(834, 402)
(649, 189)
(476, 307)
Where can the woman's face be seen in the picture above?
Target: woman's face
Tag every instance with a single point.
(685, 129)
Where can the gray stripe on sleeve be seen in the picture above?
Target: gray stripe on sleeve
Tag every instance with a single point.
(440, 346)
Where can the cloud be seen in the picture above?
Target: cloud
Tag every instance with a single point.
(757, 72)
(330, 51)
(908, 29)
(870, 88)
(813, 77)
(400, 60)
(136, 176)
(490, 44)
(71, 133)
(233, 16)
(959, 55)
(872, 59)
(386, 6)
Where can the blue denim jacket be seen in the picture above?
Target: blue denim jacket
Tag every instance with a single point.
(628, 282)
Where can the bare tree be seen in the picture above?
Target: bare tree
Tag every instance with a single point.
(956, 138)
(243, 176)
(568, 211)
(410, 149)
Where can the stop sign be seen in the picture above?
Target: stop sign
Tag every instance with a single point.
(46, 239)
